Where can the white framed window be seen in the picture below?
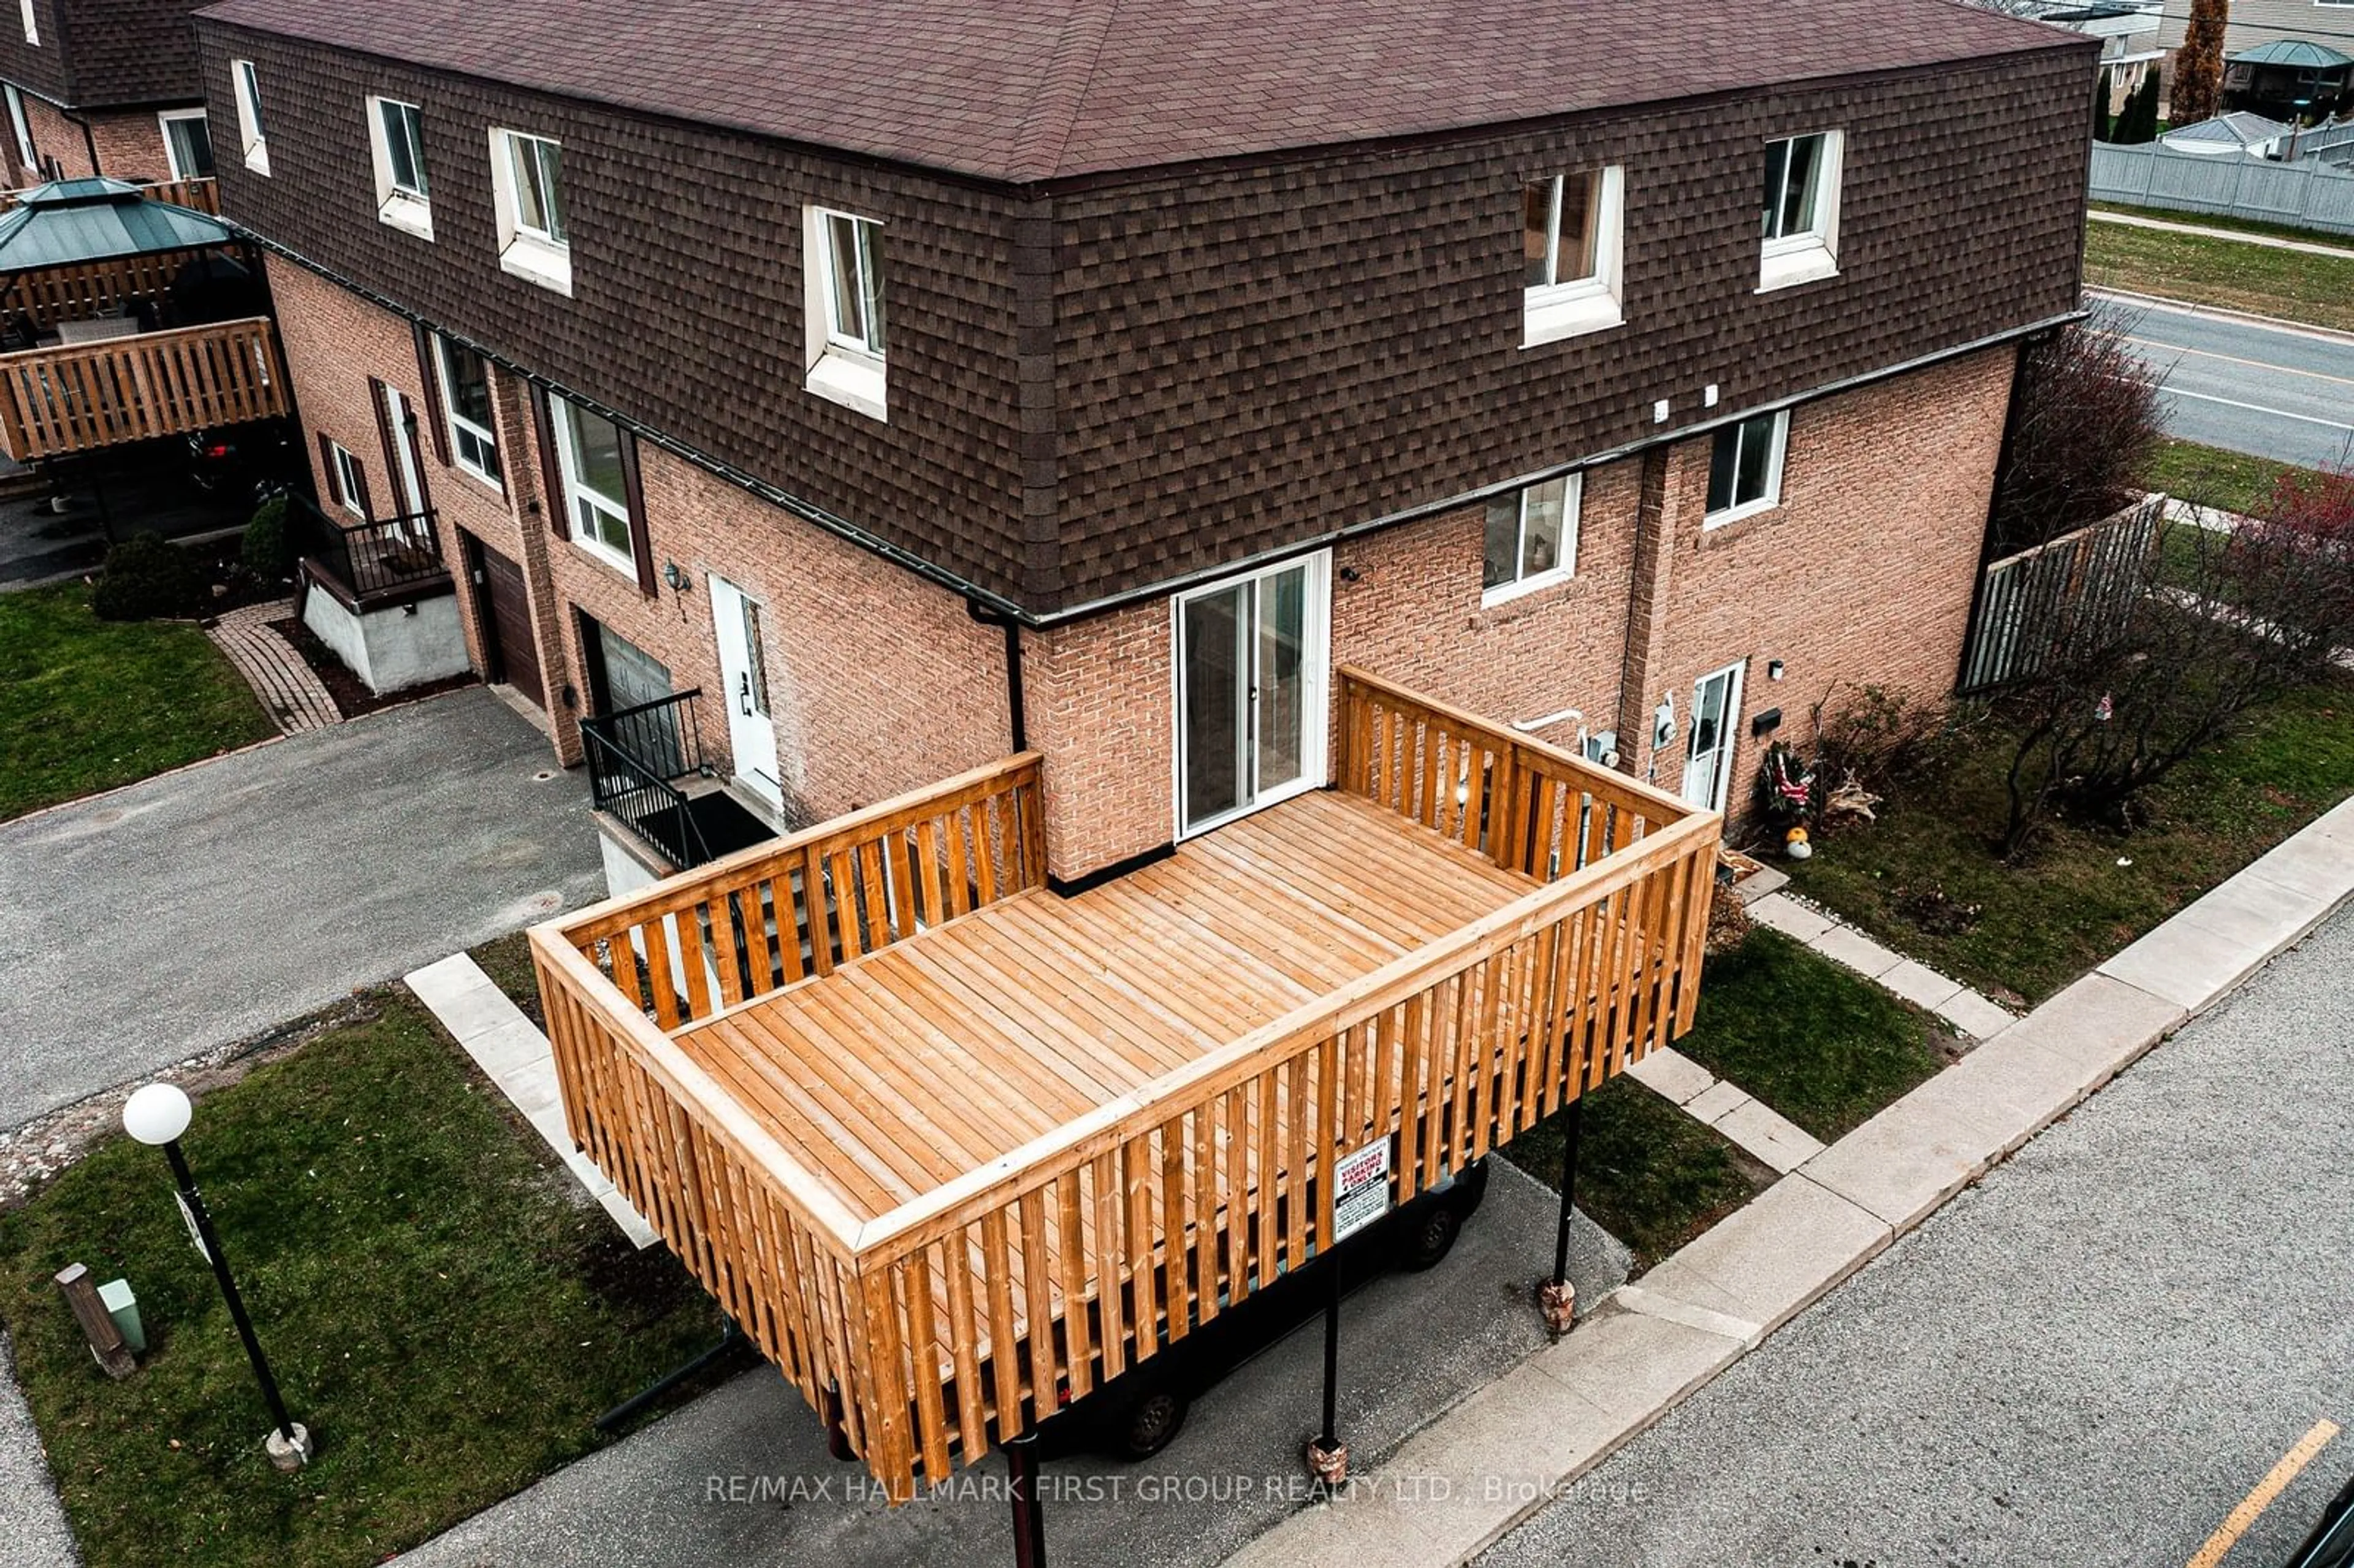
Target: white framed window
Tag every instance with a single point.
(1532, 538)
(343, 479)
(396, 147)
(28, 156)
(466, 400)
(1801, 209)
(252, 134)
(847, 335)
(596, 493)
(1745, 467)
(32, 23)
(1573, 231)
(527, 188)
(187, 142)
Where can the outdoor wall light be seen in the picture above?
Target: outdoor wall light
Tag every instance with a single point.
(157, 1116)
(1773, 669)
(675, 577)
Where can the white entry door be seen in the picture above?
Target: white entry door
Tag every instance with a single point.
(1251, 668)
(1716, 710)
(400, 432)
(741, 627)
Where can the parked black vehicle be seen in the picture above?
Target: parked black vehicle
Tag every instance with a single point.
(2331, 1544)
(258, 459)
(1140, 1412)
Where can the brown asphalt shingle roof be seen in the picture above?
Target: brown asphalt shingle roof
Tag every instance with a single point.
(1033, 90)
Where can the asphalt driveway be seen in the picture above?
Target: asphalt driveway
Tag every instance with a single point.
(143, 926)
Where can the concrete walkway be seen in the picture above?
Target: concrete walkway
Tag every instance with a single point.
(31, 1521)
(1511, 1446)
(290, 692)
(194, 909)
(515, 1056)
(2311, 248)
(1915, 983)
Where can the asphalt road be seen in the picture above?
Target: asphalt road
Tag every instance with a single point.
(2091, 1358)
(2272, 392)
(143, 926)
(742, 1476)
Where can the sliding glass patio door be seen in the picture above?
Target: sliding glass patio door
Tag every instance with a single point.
(1251, 672)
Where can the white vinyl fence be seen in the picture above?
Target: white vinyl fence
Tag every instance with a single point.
(2309, 193)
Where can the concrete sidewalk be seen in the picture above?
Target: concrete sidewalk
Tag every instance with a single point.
(2276, 242)
(1468, 1478)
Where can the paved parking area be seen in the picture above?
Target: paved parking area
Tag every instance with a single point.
(742, 1476)
(191, 909)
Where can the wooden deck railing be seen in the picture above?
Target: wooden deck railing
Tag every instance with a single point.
(202, 194)
(957, 1319)
(1529, 807)
(54, 401)
(747, 923)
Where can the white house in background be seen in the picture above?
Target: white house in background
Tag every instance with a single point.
(2239, 131)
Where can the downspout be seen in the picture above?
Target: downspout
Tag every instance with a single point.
(988, 616)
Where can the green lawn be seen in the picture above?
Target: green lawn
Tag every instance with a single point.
(1925, 880)
(442, 1306)
(2210, 476)
(94, 704)
(1647, 1172)
(1815, 1040)
(1823, 1046)
(2262, 278)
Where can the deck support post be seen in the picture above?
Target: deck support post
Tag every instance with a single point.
(1328, 1457)
(1558, 1297)
(1029, 1521)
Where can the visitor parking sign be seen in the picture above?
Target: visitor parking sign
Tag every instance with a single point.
(1362, 1193)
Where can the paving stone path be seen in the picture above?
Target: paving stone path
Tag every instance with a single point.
(279, 675)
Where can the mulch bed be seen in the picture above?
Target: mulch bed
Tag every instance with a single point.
(351, 694)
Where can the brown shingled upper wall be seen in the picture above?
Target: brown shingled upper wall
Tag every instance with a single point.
(97, 53)
(1237, 355)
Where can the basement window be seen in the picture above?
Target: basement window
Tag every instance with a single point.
(1801, 216)
(397, 146)
(252, 137)
(527, 188)
(1573, 245)
(842, 289)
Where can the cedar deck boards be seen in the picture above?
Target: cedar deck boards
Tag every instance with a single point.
(1020, 1017)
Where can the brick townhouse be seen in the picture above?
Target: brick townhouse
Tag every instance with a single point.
(918, 382)
(104, 86)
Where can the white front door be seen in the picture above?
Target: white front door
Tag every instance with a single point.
(1716, 710)
(400, 430)
(738, 621)
(1251, 668)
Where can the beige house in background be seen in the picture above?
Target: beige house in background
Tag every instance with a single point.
(2255, 22)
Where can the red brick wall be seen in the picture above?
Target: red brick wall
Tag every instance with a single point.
(129, 144)
(1097, 699)
(1864, 573)
(879, 682)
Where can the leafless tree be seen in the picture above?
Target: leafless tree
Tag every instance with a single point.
(2081, 435)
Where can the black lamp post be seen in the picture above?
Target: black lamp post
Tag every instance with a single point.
(157, 1114)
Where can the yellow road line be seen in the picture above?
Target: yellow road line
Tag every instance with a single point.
(2275, 1480)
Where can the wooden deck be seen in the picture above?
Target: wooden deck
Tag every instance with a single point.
(1045, 1009)
(56, 401)
(950, 1146)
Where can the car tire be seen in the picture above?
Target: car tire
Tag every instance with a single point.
(1150, 1423)
(1431, 1239)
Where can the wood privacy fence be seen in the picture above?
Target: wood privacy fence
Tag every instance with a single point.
(54, 401)
(2309, 194)
(52, 295)
(962, 1316)
(2044, 601)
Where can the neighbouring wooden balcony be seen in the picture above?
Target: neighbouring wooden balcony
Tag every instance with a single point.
(949, 1145)
(81, 396)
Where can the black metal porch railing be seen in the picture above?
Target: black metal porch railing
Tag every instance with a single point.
(636, 757)
(377, 556)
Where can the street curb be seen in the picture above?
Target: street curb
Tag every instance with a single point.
(1565, 1410)
(2219, 312)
